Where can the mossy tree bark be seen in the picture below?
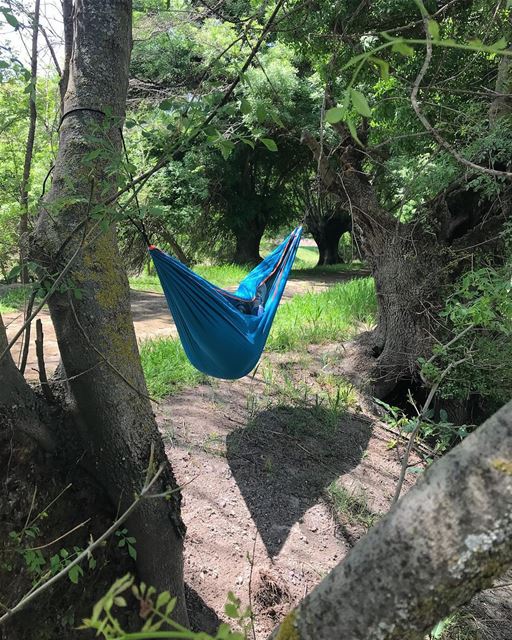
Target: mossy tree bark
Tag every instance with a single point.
(447, 539)
(115, 424)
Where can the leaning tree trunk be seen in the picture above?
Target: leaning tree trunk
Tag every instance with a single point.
(92, 319)
(447, 539)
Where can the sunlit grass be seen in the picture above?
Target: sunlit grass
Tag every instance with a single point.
(330, 316)
(350, 506)
(225, 276)
(166, 367)
(310, 318)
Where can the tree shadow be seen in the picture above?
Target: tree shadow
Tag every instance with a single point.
(284, 460)
(201, 616)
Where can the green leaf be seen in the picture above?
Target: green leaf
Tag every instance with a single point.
(162, 600)
(261, 113)
(92, 155)
(248, 142)
(74, 574)
(353, 131)
(433, 29)
(10, 19)
(245, 106)
(404, 49)
(226, 147)
(500, 44)
(383, 67)
(129, 124)
(269, 143)
(4, 64)
(275, 117)
(166, 105)
(334, 115)
(211, 132)
(231, 610)
(437, 631)
(132, 552)
(360, 103)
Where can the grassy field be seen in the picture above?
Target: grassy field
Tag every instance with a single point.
(333, 315)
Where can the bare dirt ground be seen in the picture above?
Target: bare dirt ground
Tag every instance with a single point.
(255, 459)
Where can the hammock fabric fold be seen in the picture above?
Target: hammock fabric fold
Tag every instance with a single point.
(220, 331)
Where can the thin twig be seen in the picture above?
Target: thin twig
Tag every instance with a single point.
(64, 535)
(435, 133)
(414, 433)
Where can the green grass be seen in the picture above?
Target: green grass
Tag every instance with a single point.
(230, 275)
(310, 318)
(145, 282)
(306, 258)
(333, 315)
(227, 275)
(14, 299)
(460, 625)
(350, 506)
(166, 367)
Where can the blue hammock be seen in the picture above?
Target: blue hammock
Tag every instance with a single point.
(224, 333)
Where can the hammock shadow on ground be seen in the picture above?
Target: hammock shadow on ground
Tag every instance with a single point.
(284, 460)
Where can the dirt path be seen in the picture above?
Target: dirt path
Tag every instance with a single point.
(151, 317)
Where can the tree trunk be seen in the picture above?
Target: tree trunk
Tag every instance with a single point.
(327, 232)
(411, 263)
(447, 539)
(29, 149)
(20, 409)
(248, 240)
(94, 329)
